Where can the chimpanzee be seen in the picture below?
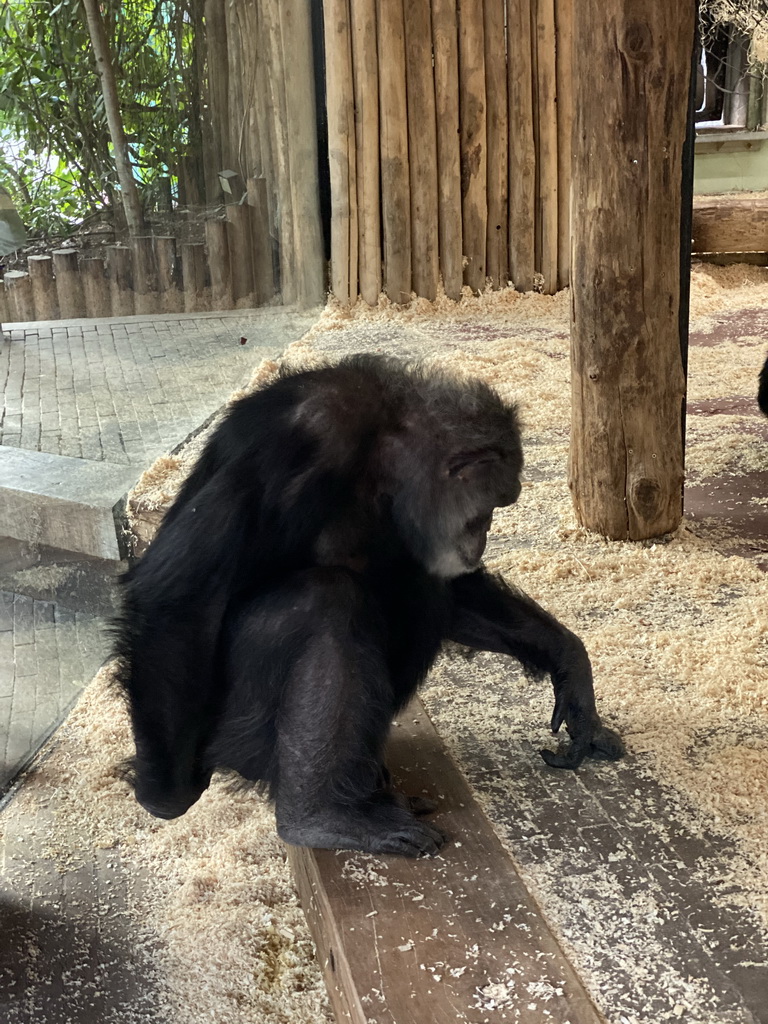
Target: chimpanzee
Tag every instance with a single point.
(326, 544)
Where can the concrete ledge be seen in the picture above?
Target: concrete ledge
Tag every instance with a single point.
(62, 502)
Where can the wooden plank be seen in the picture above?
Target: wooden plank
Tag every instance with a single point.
(393, 129)
(546, 143)
(408, 941)
(365, 70)
(422, 147)
(218, 263)
(729, 225)
(120, 273)
(497, 232)
(239, 241)
(194, 276)
(522, 152)
(564, 58)
(445, 45)
(627, 373)
(261, 241)
(473, 141)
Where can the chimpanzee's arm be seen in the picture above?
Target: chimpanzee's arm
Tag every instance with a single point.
(490, 616)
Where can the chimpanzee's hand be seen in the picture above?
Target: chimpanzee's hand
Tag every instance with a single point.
(589, 738)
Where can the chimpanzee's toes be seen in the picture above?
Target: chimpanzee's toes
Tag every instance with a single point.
(421, 805)
(603, 745)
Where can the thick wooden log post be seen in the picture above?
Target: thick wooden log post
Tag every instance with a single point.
(145, 284)
(69, 285)
(445, 45)
(218, 264)
(497, 233)
(522, 152)
(168, 274)
(564, 54)
(5, 316)
(261, 240)
(422, 147)
(393, 120)
(546, 144)
(340, 99)
(120, 273)
(365, 69)
(473, 129)
(95, 287)
(21, 303)
(43, 287)
(194, 276)
(628, 382)
(240, 254)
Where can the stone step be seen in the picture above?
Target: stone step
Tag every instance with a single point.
(61, 502)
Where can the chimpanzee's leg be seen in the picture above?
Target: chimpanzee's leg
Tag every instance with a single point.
(491, 616)
(334, 714)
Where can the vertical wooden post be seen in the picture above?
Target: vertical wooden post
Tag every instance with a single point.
(95, 287)
(5, 316)
(628, 382)
(21, 303)
(564, 57)
(194, 277)
(522, 154)
(545, 131)
(365, 70)
(445, 45)
(340, 102)
(422, 147)
(497, 232)
(240, 255)
(120, 273)
(218, 264)
(473, 128)
(43, 287)
(261, 242)
(69, 286)
(167, 263)
(393, 122)
(218, 157)
(145, 284)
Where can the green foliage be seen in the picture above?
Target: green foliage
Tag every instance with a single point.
(56, 160)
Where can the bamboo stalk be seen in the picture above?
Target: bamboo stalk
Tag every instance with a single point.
(393, 128)
(43, 287)
(18, 290)
(564, 57)
(95, 287)
(304, 185)
(497, 240)
(546, 136)
(218, 263)
(365, 70)
(446, 55)
(522, 154)
(473, 138)
(120, 273)
(422, 147)
(69, 285)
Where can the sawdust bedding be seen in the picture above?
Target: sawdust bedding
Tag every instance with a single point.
(680, 666)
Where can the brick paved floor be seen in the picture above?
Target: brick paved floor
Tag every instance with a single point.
(126, 390)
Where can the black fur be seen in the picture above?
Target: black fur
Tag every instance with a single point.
(324, 547)
(762, 391)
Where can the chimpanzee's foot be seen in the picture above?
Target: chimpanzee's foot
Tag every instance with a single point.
(602, 744)
(387, 829)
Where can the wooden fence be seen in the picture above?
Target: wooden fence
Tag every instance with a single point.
(232, 269)
(450, 127)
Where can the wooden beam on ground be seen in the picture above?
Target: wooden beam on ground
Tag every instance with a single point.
(447, 939)
(729, 224)
(627, 372)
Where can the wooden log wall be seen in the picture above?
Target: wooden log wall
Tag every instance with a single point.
(464, 160)
(233, 269)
